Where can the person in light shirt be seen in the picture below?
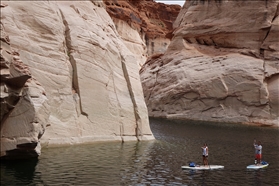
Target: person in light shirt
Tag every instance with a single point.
(205, 154)
(258, 152)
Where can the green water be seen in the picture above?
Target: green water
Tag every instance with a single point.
(156, 162)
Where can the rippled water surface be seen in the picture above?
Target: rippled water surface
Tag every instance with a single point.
(156, 162)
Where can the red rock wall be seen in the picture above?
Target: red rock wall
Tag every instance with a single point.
(152, 20)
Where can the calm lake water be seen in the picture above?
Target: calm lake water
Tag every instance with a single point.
(156, 162)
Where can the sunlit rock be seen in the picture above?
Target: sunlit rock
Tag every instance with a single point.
(219, 66)
(85, 83)
(23, 113)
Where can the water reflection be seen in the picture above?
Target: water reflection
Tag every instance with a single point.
(14, 172)
(155, 162)
(257, 177)
(98, 164)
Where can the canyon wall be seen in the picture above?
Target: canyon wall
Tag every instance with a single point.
(144, 25)
(66, 78)
(221, 65)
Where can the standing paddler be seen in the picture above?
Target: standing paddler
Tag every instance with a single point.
(258, 152)
(205, 154)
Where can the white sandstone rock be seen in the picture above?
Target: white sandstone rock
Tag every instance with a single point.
(219, 66)
(90, 85)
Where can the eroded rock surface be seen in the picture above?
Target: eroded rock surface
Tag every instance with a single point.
(22, 101)
(143, 25)
(84, 84)
(221, 65)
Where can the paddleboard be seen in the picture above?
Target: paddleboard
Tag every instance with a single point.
(202, 167)
(258, 166)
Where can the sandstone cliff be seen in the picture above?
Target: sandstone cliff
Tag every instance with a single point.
(82, 83)
(221, 65)
(143, 25)
(17, 91)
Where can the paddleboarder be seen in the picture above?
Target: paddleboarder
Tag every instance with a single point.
(258, 152)
(205, 154)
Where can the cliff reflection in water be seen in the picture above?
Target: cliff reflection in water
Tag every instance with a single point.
(156, 162)
(94, 164)
(18, 172)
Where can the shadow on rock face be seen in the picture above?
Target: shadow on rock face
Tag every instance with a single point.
(23, 151)
(14, 85)
(15, 82)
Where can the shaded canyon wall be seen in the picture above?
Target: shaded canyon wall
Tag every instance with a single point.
(66, 78)
(221, 65)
